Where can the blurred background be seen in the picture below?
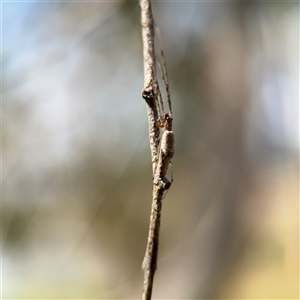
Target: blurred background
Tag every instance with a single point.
(76, 169)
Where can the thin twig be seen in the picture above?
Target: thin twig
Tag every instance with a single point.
(150, 89)
(150, 94)
(161, 152)
(150, 259)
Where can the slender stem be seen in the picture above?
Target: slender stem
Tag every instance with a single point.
(150, 259)
(150, 95)
(150, 91)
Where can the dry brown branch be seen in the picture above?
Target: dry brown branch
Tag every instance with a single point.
(149, 92)
(161, 153)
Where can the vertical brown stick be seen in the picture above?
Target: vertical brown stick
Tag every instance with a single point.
(149, 91)
(150, 259)
(150, 94)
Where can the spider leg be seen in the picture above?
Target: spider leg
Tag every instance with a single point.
(170, 181)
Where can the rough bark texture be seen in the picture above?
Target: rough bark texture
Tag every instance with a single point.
(150, 259)
(150, 94)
